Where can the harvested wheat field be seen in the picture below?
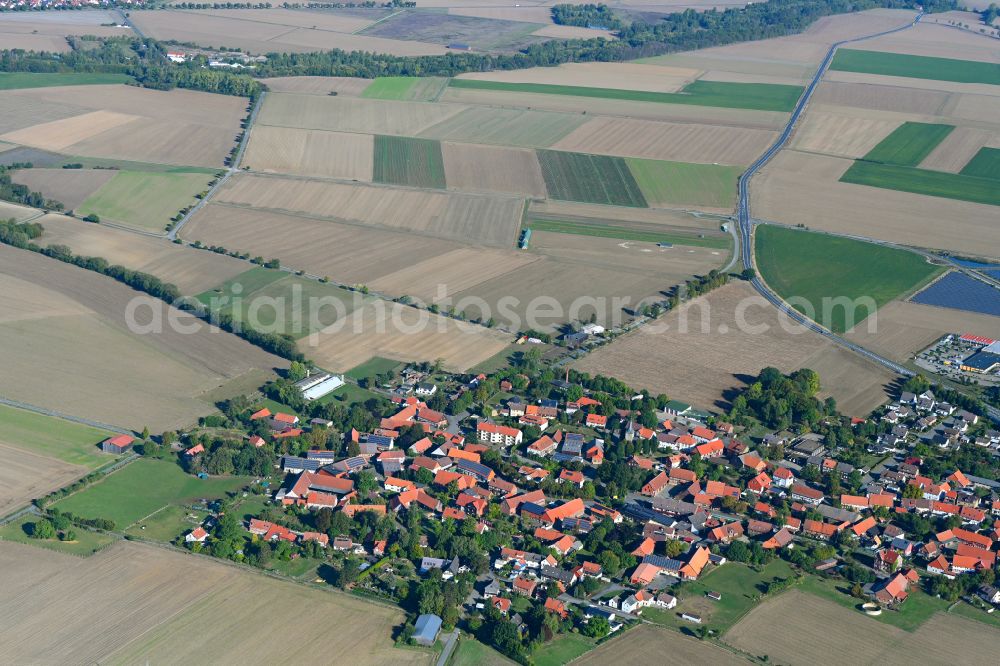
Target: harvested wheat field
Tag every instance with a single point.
(511, 127)
(392, 330)
(317, 85)
(881, 98)
(462, 217)
(13, 211)
(644, 216)
(59, 135)
(70, 187)
(798, 628)
(25, 476)
(728, 68)
(889, 81)
(572, 32)
(192, 271)
(938, 41)
(957, 149)
(345, 114)
(31, 42)
(841, 134)
(905, 328)
(273, 30)
(534, 14)
(477, 168)
(579, 275)
(57, 316)
(668, 141)
(584, 107)
(801, 188)
(616, 75)
(707, 348)
(47, 31)
(976, 109)
(134, 603)
(634, 648)
(180, 127)
(347, 253)
(310, 153)
(452, 272)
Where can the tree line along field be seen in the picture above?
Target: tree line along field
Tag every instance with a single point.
(815, 267)
(917, 67)
(754, 96)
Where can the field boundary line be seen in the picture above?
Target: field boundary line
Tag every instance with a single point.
(44, 411)
(372, 25)
(136, 522)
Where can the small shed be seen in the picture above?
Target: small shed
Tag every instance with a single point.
(426, 629)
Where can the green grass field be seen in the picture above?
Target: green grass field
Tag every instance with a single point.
(596, 179)
(86, 542)
(376, 365)
(758, 96)
(12, 80)
(917, 609)
(665, 183)
(909, 144)
(403, 160)
(562, 649)
(811, 267)
(145, 200)
(167, 524)
(141, 488)
(70, 442)
(471, 652)
(918, 67)
(923, 181)
(407, 88)
(985, 164)
(276, 301)
(626, 233)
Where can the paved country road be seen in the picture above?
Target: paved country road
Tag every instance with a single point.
(746, 223)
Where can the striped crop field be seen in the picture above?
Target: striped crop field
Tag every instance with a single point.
(596, 179)
(409, 161)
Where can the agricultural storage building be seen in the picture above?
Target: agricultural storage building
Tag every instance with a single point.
(426, 629)
(317, 386)
(117, 444)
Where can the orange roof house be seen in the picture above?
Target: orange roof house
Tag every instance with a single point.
(656, 484)
(696, 564)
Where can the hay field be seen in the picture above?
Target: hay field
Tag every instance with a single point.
(797, 187)
(591, 106)
(144, 200)
(192, 271)
(392, 330)
(464, 217)
(957, 149)
(937, 41)
(508, 127)
(57, 316)
(371, 116)
(275, 30)
(59, 135)
(347, 253)
(25, 476)
(14, 211)
(623, 76)
(180, 127)
(668, 141)
(317, 85)
(904, 328)
(798, 628)
(133, 603)
(572, 32)
(452, 272)
(635, 648)
(677, 355)
(477, 168)
(881, 97)
(597, 212)
(71, 187)
(841, 134)
(310, 153)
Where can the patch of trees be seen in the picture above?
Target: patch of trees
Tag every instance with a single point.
(586, 16)
(225, 457)
(782, 401)
(990, 14)
(22, 194)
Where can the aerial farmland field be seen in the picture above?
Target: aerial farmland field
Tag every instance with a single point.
(909, 144)
(679, 183)
(144, 200)
(408, 88)
(590, 179)
(816, 268)
(304, 152)
(408, 161)
(74, 317)
(70, 187)
(915, 66)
